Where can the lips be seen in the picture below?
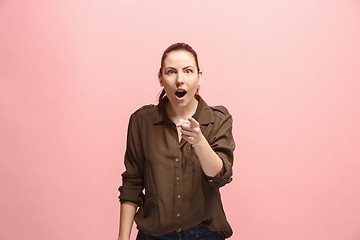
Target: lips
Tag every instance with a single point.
(180, 93)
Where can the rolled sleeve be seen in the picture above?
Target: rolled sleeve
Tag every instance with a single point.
(133, 177)
(223, 145)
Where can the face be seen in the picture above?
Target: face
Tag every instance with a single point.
(180, 78)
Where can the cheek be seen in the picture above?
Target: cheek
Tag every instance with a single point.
(193, 83)
(167, 82)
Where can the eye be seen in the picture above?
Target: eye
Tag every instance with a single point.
(189, 71)
(170, 71)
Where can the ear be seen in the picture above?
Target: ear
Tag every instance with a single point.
(160, 80)
(200, 78)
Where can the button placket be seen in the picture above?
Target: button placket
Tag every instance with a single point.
(178, 191)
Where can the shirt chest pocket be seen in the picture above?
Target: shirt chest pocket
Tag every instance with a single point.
(192, 163)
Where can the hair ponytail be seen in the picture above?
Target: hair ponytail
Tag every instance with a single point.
(162, 94)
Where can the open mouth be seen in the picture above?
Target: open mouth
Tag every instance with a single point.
(180, 93)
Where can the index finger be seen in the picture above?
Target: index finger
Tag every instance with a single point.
(193, 122)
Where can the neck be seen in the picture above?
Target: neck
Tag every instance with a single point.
(177, 113)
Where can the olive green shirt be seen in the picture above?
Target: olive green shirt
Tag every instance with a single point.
(177, 192)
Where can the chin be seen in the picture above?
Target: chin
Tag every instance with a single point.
(184, 102)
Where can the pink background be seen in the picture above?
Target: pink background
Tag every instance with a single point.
(72, 72)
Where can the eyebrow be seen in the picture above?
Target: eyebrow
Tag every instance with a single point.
(183, 67)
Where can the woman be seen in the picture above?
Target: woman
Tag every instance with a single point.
(181, 152)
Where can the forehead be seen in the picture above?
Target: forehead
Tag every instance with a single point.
(179, 58)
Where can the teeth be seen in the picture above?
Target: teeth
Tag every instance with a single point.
(180, 90)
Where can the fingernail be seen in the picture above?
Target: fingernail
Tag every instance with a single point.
(178, 124)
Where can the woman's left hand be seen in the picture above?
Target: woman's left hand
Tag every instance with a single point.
(190, 131)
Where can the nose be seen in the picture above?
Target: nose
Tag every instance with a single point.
(179, 79)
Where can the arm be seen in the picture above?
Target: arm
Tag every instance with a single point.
(210, 162)
(215, 156)
(131, 195)
(127, 213)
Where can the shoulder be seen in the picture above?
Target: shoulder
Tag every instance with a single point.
(220, 112)
(220, 109)
(144, 110)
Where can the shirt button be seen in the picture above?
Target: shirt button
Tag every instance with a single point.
(178, 178)
(178, 215)
(211, 180)
(176, 159)
(179, 196)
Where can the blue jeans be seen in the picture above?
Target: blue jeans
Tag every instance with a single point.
(199, 232)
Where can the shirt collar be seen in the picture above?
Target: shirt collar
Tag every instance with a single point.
(203, 113)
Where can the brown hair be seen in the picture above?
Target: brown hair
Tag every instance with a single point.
(177, 47)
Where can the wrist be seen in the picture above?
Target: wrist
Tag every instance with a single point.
(201, 142)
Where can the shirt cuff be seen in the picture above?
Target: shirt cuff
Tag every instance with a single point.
(220, 179)
(131, 194)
